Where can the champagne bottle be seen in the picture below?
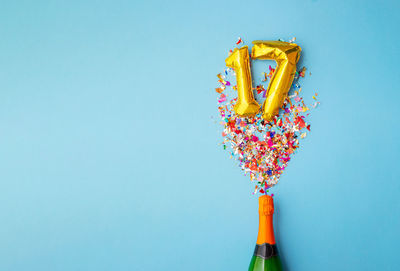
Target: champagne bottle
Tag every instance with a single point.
(265, 254)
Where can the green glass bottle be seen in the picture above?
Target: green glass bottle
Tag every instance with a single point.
(265, 256)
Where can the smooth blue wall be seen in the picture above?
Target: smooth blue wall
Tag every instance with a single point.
(109, 158)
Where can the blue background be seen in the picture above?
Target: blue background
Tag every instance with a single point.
(109, 158)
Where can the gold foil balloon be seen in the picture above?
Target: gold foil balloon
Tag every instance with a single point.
(239, 60)
(286, 56)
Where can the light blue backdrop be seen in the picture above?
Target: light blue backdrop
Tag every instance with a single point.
(109, 158)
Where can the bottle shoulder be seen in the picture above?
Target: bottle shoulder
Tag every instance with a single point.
(261, 264)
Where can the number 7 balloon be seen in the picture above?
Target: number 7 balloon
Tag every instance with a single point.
(286, 56)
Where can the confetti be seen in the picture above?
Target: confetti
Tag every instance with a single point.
(263, 149)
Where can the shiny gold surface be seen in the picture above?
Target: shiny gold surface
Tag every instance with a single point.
(286, 56)
(239, 60)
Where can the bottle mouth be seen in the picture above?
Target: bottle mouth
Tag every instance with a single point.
(266, 205)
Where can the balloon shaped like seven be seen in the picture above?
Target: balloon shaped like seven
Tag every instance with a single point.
(286, 56)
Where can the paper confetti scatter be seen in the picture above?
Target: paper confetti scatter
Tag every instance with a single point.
(262, 148)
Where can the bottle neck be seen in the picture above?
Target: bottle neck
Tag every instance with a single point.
(265, 230)
(265, 226)
(266, 250)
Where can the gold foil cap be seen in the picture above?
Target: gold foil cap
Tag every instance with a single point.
(266, 205)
